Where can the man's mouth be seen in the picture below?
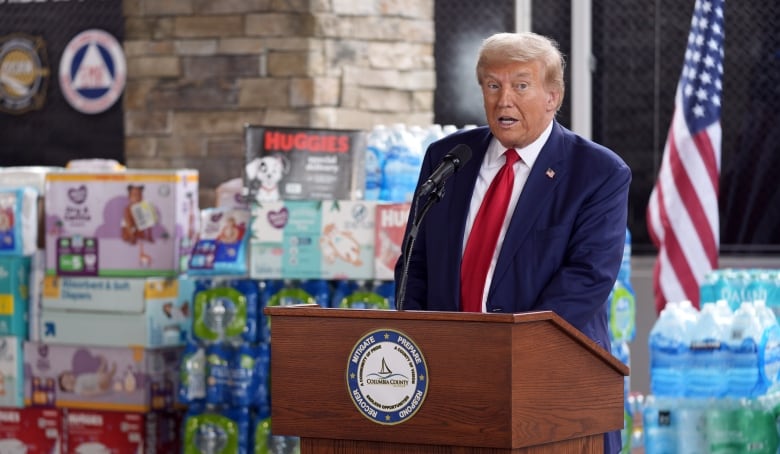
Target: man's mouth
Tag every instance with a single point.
(507, 121)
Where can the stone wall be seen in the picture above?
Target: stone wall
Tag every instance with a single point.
(198, 70)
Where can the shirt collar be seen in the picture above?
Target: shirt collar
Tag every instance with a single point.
(528, 154)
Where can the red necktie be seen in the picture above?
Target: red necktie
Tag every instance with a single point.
(484, 235)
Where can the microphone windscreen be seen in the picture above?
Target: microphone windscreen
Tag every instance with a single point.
(460, 154)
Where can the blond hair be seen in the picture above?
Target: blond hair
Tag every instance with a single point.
(524, 47)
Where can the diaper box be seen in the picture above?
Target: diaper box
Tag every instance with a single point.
(18, 221)
(133, 223)
(31, 177)
(11, 372)
(14, 295)
(312, 240)
(304, 164)
(389, 236)
(30, 430)
(102, 378)
(346, 241)
(106, 432)
(150, 312)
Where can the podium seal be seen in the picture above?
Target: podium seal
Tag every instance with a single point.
(387, 377)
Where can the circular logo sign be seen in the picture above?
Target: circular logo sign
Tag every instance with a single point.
(387, 377)
(92, 71)
(24, 73)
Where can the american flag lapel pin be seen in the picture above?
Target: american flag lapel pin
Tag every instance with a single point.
(550, 173)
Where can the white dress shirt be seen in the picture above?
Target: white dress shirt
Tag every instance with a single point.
(494, 159)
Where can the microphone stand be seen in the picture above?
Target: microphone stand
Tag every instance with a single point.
(406, 252)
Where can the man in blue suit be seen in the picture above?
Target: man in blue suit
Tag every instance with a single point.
(561, 242)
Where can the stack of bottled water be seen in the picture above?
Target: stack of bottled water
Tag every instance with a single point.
(401, 165)
(394, 157)
(709, 370)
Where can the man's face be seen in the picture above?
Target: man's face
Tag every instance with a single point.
(518, 105)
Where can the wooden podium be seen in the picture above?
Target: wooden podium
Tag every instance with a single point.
(497, 383)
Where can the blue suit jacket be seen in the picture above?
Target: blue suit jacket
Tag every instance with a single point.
(564, 244)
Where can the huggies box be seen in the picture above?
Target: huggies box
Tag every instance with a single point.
(150, 312)
(133, 223)
(102, 378)
(99, 432)
(390, 228)
(30, 430)
(304, 164)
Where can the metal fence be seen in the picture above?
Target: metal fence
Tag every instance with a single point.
(638, 49)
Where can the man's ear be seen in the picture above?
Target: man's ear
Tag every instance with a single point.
(553, 97)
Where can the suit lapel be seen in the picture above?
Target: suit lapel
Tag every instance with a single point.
(548, 170)
(458, 204)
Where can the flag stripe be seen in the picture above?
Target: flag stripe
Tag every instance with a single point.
(682, 213)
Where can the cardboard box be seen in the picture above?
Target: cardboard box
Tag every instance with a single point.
(304, 164)
(14, 295)
(135, 223)
(95, 431)
(130, 379)
(312, 240)
(11, 372)
(151, 312)
(391, 221)
(30, 430)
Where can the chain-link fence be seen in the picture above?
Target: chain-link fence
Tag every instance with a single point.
(638, 49)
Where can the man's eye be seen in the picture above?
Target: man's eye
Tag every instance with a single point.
(522, 86)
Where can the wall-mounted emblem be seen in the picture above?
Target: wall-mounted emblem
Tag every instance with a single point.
(387, 377)
(92, 71)
(24, 73)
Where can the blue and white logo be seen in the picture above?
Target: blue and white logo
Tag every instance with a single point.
(387, 377)
(92, 71)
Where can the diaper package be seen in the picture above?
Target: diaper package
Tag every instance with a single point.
(313, 240)
(31, 430)
(14, 295)
(222, 242)
(18, 221)
(106, 432)
(136, 223)
(129, 379)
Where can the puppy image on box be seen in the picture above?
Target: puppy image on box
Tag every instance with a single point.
(264, 175)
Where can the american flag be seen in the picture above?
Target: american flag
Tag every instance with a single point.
(682, 213)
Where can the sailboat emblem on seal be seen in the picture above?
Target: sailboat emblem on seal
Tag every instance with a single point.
(384, 370)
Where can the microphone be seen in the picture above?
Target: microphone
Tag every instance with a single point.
(449, 165)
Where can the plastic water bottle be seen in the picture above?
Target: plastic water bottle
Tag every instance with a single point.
(621, 351)
(722, 432)
(376, 151)
(708, 356)
(622, 312)
(432, 134)
(668, 347)
(744, 335)
(402, 166)
(773, 295)
(690, 423)
(624, 274)
(449, 129)
(758, 285)
(710, 288)
(660, 433)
